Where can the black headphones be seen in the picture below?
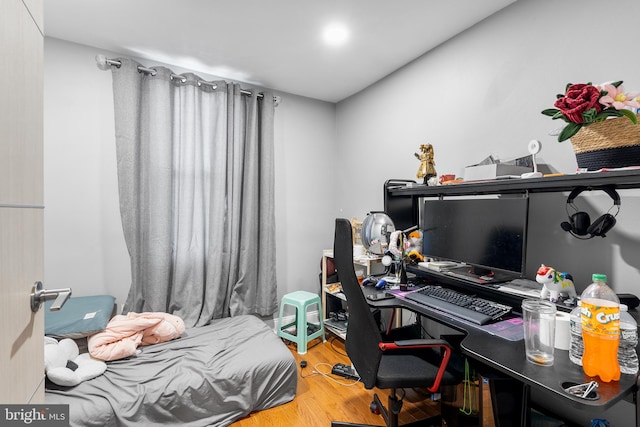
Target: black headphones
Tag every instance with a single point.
(580, 225)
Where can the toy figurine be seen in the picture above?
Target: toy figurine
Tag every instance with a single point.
(427, 164)
(414, 247)
(555, 283)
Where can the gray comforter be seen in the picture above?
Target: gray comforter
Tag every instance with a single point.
(211, 376)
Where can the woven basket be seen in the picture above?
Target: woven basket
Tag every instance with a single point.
(613, 143)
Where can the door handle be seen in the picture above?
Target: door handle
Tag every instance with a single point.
(39, 295)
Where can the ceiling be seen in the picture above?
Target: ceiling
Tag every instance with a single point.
(275, 44)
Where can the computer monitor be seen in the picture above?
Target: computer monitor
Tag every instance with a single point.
(487, 234)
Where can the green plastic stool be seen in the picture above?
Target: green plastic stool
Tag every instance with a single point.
(301, 300)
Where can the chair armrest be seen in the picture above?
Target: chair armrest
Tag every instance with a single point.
(415, 343)
(421, 344)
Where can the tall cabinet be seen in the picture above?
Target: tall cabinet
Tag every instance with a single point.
(21, 199)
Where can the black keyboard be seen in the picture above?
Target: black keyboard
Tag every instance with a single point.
(468, 307)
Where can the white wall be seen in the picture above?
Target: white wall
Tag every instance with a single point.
(481, 93)
(305, 190)
(84, 245)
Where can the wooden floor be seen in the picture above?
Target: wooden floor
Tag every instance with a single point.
(323, 398)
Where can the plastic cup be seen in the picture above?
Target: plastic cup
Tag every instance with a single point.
(539, 319)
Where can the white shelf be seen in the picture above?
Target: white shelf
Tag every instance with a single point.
(340, 331)
(337, 294)
(366, 261)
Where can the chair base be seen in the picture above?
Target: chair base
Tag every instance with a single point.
(390, 415)
(429, 422)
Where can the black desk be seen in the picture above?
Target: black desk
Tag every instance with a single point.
(508, 357)
(488, 349)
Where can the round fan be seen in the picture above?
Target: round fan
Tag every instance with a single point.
(376, 229)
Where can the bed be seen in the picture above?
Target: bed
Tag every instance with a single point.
(211, 376)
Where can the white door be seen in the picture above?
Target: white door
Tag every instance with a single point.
(21, 199)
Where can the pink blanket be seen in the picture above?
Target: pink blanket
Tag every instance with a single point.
(124, 333)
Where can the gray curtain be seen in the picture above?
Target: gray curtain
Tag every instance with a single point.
(196, 183)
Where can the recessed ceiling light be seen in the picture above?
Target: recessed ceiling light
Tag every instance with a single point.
(335, 34)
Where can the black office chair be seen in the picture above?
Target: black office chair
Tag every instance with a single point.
(386, 365)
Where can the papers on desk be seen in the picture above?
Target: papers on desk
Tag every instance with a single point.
(522, 287)
(509, 329)
(439, 265)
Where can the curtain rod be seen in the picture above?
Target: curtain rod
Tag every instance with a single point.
(104, 63)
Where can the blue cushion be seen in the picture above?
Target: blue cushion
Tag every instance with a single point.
(79, 316)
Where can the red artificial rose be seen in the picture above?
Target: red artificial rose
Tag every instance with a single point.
(578, 99)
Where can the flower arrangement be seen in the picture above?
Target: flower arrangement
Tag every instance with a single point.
(583, 104)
